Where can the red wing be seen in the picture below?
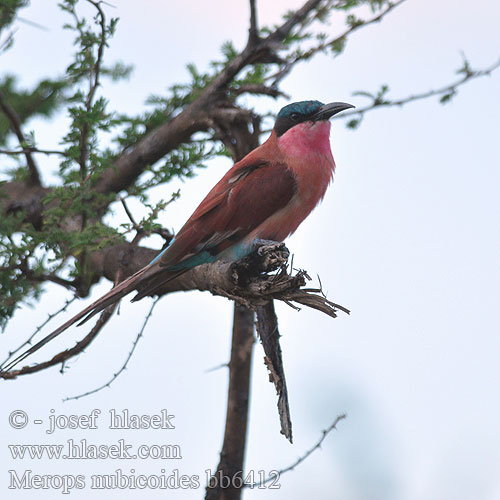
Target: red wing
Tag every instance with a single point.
(244, 198)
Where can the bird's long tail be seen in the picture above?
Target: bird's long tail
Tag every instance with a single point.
(138, 281)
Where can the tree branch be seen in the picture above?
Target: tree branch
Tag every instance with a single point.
(124, 365)
(15, 125)
(93, 84)
(32, 150)
(64, 356)
(196, 116)
(29, 340)
(247, 282)
(253, 30)
(267, 326)
(447, 92)
(301, 459)
(235, 433)
(340, 39)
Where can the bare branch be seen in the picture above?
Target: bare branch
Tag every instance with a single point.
(446, 91)
(253, 31)
(235, 433)
(267, 326)
(124, 366)
(32, 150)
(285, 70)
(15, 125)
(218, 367)
(40, 278)
(303, 457)
(38, 329)
(65, 355)
(129, 213)
(258, 89)
(247, 282)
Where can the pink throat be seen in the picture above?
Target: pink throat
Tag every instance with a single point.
(307, 138)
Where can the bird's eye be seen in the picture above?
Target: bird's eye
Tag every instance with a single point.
(294, 116)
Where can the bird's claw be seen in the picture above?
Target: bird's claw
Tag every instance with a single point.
(272, 254)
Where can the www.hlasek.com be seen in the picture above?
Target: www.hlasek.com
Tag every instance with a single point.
(83, 449)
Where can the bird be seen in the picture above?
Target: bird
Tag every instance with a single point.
(264, 196)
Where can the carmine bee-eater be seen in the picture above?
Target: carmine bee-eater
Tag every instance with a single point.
(265, 196)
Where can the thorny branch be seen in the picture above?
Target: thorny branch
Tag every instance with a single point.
(125, 364)
(447, 92)
(29, 340)
(67, 354)
(247, 282)
(301, 459)
(210, 110)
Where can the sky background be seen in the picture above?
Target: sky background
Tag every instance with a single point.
(407, 238)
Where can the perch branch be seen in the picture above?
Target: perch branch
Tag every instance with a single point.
(247, 282)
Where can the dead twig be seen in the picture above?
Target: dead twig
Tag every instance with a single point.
(301, 459)
(124, 365)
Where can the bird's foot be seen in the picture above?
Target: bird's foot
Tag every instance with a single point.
(272, 254)
(258, 243)
(266, 257)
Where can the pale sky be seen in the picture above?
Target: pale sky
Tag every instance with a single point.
(407, 238)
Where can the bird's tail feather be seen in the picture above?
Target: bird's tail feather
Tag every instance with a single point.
(159, 279)
(157, 275)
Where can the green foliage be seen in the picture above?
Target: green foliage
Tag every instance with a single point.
(72, 225)
(43, 100)
(20, 264)
(8, 11)
(56, 247)
(378, 98)
(447, 97)
(148, 224)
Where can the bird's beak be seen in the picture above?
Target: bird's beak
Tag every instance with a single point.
(328, 110)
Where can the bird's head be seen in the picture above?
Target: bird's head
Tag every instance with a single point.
(306, 111)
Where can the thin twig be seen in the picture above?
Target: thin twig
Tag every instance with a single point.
(40, 278)
(129, 213)
(258, 89)
(38, 329)
(32, 23)
(302, 458)
(32, 150)
(124, 366)
(93, 84)
(63, 356)
(448, 89)
(277, 77)
(218, 367)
